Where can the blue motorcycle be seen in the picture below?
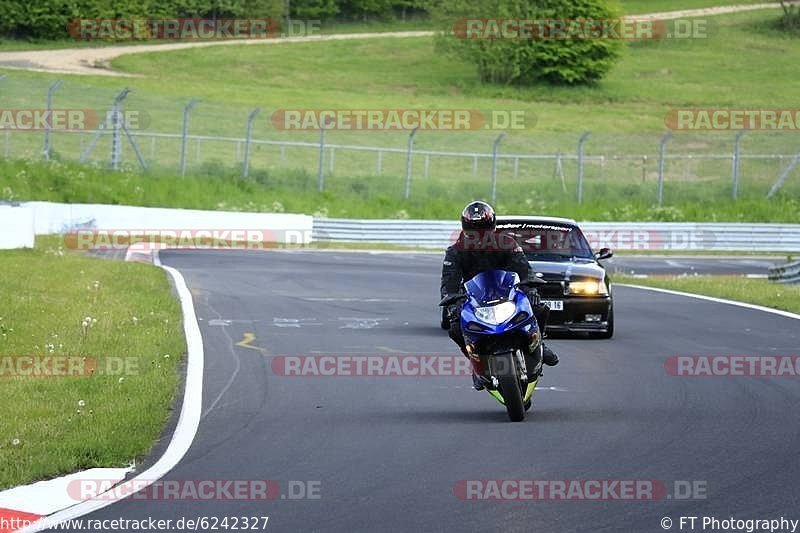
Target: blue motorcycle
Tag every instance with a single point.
(503, 340)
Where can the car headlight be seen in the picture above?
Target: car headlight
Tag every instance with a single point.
(496, 314)
(588, 287)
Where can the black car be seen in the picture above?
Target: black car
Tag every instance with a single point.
(577, 288)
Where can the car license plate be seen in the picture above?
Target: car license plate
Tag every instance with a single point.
(554, 305)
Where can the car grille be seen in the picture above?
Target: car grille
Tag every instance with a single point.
(553, 289)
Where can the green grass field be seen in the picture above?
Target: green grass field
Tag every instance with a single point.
(754, 291)
(52, 426)
(630, 7)
(625, 113)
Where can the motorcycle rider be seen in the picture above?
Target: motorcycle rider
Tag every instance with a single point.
(479, 248)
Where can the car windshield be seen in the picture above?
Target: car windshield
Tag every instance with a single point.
(550, 242)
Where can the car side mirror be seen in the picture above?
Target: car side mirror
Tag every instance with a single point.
(604, 253)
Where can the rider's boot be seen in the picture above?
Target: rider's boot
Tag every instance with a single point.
(549, 357)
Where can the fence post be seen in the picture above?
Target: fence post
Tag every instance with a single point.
(408, 160)
(185, 133)
(735, 163)
(581, 141)
(558, 171)
(321, 167)
(644, 168)
(48, 128)
(495, 149)
(250, 118)
(116, 127)
(782, 178)
(5, 145)
(602, 166)
(116, 138)
(6, 139)
(662, 148)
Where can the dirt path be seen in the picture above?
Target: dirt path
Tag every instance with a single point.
(96, 61)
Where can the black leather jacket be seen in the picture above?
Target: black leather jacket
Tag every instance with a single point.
(465, 259)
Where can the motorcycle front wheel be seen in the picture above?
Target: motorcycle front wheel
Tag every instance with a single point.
(508, 382)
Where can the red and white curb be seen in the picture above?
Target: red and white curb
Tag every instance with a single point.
(22, 506)
(44, 504)
(13, 520)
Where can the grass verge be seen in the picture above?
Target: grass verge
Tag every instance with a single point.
(292, 191)
(753, 291)
(52, 426)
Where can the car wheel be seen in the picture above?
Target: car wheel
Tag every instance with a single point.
(445, 323)
(609, 332)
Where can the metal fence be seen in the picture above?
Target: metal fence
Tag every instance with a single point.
(644, 236)
(193, 137)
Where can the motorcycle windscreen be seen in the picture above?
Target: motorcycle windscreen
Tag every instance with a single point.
(492, 286)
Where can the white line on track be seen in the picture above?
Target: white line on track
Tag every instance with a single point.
(786, 314)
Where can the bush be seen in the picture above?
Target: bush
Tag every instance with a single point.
(313, 9)
(530, 61)
(48, 19)
(790, 20)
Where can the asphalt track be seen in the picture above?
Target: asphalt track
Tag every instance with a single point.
(690, 265)
(388, 451)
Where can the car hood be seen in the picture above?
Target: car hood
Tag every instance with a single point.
(552, 270)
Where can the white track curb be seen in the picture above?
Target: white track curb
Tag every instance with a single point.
(188, 422)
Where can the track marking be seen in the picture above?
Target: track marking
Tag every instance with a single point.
(387, 349)
(677, 264)
(361, 323)
(247, 340)
(755, 307)
(188, 421)
(234, 374)
(280, 322)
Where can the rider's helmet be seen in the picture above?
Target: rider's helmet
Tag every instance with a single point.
(478, 216)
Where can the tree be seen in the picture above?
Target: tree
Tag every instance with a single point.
(790, 20)
(559, 47)
(313, 9)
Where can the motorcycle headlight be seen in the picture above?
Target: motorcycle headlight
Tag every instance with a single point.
(496, 314)
(588, 287)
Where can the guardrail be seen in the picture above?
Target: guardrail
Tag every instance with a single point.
(654, 236)
(789, 273)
